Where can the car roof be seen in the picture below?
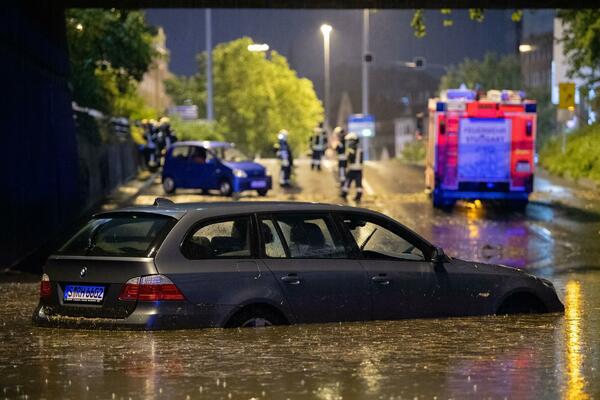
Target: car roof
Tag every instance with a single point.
(178, 210)
(208, 144)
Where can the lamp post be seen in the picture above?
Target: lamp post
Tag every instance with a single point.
(209, 82)
(326, 31)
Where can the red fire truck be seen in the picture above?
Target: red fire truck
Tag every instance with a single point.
(480, 147)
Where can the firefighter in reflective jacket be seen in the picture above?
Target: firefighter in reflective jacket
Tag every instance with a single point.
(318, 144)
(354, 157)
(284, 153)
(340, 149)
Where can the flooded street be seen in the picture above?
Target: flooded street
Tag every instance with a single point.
(524, 357)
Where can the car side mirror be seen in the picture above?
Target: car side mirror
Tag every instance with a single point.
(438, 256)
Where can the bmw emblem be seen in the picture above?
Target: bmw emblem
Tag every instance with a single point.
(83, 272)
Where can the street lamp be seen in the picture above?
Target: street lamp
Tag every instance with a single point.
(326, 31)
(526, 48)
(257, 47)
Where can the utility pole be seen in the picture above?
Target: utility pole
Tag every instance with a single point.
(365, 77)
(209, 81)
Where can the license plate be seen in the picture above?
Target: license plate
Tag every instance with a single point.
(258, 184)
(84, 294)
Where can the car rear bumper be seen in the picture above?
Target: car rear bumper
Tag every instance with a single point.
(470, 195)
(253, 183)
(146, 316)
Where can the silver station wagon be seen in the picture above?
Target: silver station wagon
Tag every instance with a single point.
(238, 264)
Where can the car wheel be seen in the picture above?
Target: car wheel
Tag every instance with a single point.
(168, 185)
(225, 188)
(262, 192)
(256, 317)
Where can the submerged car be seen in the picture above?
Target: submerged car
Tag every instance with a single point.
(211, 165)
(267, 263)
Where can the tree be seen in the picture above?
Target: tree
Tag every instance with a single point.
(254, 96)
(493, 72)
(581, 40)
(184, 89)
(109, 51)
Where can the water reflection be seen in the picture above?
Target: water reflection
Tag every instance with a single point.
(573, 345)
(540, 356)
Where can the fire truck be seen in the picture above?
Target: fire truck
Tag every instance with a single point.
(480, 146)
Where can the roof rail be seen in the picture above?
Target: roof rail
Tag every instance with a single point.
(161, 201)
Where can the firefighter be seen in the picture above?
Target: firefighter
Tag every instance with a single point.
(167, 133)
(354, 155)
(150, 149)
(318, 144)
(340, 149)
(284, 153)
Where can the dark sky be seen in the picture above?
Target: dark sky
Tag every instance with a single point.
(295, 34)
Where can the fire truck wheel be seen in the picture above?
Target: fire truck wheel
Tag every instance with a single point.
(443, 204)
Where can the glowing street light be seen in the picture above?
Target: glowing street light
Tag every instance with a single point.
(526, 48)
(258, 47)
(326, 31)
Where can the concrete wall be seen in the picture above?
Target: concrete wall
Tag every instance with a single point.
(49, 176)
(38, 159)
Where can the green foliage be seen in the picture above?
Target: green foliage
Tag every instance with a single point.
(256, 97)
(581, 40)
(476, 14)
(195, 130)
(184, 89)
(418, 23)
(582, 154)
(415, 151)
(546, 114)
(109, 50)
(493, 72)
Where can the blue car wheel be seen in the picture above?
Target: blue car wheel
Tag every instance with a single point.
(225, 188)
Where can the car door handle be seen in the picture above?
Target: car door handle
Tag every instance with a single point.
(381, 279)
(291, 279)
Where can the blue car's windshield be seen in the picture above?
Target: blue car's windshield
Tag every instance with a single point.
(230, 154)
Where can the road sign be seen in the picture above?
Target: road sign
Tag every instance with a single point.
(566, 96)
(362, 125)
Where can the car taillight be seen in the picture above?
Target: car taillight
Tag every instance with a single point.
(150, 288)
(45, 287)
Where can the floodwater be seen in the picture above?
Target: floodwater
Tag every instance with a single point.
(529, 356)
(522, 357)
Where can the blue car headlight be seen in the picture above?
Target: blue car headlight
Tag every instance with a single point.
(238, 173)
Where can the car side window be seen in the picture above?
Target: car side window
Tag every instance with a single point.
(310, 236)
(200, 155)
(271, 241)
(375, 241)
(180, 152)
(221, 239)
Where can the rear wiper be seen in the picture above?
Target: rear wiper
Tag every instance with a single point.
(92, 240)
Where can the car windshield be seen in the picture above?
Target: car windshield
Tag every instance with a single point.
(120, 235)
(230, 154)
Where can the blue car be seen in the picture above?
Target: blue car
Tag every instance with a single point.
(209, 165)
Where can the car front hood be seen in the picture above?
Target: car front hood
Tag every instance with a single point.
(495, 269)
(246, 166)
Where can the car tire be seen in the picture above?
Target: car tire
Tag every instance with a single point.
(225, 188)
(168, 185)
(262, 192)
(256, 317)
(443, 204)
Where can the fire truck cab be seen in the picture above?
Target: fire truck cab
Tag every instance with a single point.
(480, 147)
